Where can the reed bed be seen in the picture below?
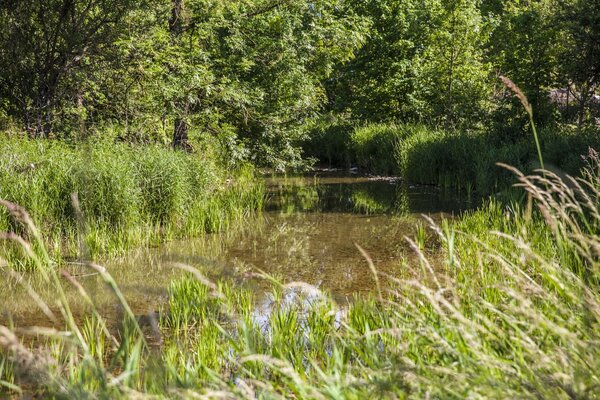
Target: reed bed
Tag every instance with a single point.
(511, 309)
(456, 160)
(100, 199)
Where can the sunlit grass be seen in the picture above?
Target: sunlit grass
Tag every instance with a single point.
(104, 198)
(463, 161)
(511, 308)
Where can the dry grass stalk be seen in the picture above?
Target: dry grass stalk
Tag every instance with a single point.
(33, 368)
(518, 92)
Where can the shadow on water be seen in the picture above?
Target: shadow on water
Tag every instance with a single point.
(307, 233)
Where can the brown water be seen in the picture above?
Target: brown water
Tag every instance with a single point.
(307, 233)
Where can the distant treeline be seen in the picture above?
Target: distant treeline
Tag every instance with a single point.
(259, 74)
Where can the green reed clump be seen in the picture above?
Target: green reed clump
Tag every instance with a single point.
(109, 197)
(163, 193)
(330, 141)
(373, 148)
(440, 158)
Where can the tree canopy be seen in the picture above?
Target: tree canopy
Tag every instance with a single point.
(256, 74)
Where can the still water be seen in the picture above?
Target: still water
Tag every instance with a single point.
(308, 232)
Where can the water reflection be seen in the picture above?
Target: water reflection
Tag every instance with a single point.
(332, 193)
(307, 233)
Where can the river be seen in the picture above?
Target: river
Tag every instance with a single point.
(308, 232)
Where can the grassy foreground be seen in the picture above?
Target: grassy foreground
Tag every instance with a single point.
(104, 198)
(511, 309)
(452, 159)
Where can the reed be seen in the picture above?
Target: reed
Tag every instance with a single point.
(100, 199)
(463, 161)
(509, 309)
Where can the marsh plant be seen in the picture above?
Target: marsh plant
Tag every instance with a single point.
(459, 160)
(509, 309)
(100, 199)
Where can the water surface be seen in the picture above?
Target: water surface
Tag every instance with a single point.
(308, 232)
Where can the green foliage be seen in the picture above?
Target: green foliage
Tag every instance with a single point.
(461, 159)
(329, 140)
(374, 148)
(454, 77)
(254, 68)
(259, 75)
(45, 45)
(523, 48)
(127, 196)
(580, 65)
(422, 61)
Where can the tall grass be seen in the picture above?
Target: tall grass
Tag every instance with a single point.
(510, 309)
(108, 197)
(457, 160)
(374, 146)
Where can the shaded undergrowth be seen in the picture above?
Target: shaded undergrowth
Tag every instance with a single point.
(461, 160)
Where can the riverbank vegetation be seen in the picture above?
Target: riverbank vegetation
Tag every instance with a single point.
(262, 76)
(454, 159)
(93, 199)
(527, 328)
(127, 123)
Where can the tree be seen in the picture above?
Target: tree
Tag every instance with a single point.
(579, 58)
(422, 61)
(43, 44)
(177, 24)
(524, 47)
(454, 77)
(379, 83)
(278, 53)
(252, 70)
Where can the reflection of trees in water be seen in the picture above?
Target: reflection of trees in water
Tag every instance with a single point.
(364, 197)
(389, 199)
(291, 195)
(361, 197)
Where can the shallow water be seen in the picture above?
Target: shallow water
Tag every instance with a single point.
(308, 232)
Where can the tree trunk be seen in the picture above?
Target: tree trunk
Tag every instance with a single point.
(180, 134)
(180, 128)
(568, 99)
(176, 21)
(449, 103)
(583, 97)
